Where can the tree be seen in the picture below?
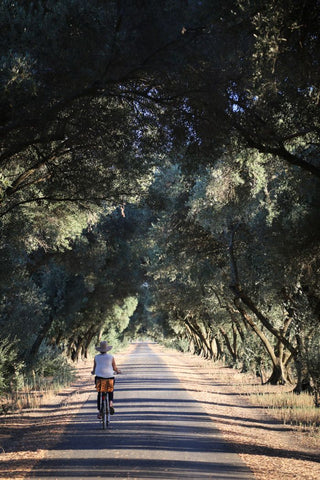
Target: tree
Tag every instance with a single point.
(189, 120)
(81, 122)
(270, 218)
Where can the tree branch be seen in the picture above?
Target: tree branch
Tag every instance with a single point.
(279, 150)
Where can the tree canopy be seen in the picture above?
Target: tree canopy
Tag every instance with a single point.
(160, 176)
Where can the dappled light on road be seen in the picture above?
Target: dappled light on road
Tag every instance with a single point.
(158, 432)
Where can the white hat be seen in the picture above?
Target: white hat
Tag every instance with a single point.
(104, 347)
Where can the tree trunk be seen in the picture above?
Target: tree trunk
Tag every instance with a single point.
(303, 377)
(214, 348)
(220, 352)
(203, 340)
(279, 374)
(228, 345)
(191, 345)
(41, 336)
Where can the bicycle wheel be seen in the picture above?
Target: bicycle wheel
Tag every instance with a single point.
(104, 411)
(107, 409)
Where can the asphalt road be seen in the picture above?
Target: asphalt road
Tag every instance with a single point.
(158, 432)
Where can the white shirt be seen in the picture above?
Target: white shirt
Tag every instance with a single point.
(104, 366)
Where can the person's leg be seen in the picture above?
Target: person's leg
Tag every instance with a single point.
(111, 394)
(99, 404)
(98, 398)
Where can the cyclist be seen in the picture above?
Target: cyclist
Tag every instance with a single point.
(104, 367)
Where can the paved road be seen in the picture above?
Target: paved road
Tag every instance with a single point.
(158, 432)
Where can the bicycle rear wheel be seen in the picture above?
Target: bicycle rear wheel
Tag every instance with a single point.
(104, 411)
(107, 409)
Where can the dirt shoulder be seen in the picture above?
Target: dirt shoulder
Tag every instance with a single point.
(26, 436)
(271, 450)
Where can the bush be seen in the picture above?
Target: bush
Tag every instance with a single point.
(10, 367)
(54, 364)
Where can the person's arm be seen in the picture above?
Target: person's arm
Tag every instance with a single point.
(94, 367)
(114, 366)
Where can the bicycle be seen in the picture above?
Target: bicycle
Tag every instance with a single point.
(104, 386)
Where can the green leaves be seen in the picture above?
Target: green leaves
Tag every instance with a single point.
(157, 151)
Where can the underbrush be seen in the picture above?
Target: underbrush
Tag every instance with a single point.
(292, 409)
(29, 388)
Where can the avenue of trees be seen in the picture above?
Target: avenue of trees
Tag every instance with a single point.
(160, 172)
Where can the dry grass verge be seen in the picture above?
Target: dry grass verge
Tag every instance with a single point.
(26, 435)
(292, 409)
(273, 451)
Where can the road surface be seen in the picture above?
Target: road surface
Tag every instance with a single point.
(158, 432)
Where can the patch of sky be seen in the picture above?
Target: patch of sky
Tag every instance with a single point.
(234, 101)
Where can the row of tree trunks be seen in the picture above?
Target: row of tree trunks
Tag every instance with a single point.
(286, 349)
(204, 343)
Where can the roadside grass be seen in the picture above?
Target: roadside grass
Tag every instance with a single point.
(33, 393)
(33, 389)
(291, 409)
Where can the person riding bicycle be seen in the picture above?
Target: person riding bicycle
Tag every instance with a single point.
(104, 367)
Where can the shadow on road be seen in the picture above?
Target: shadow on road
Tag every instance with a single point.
(158, 432)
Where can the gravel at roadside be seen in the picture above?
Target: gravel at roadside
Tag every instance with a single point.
(273, 451)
